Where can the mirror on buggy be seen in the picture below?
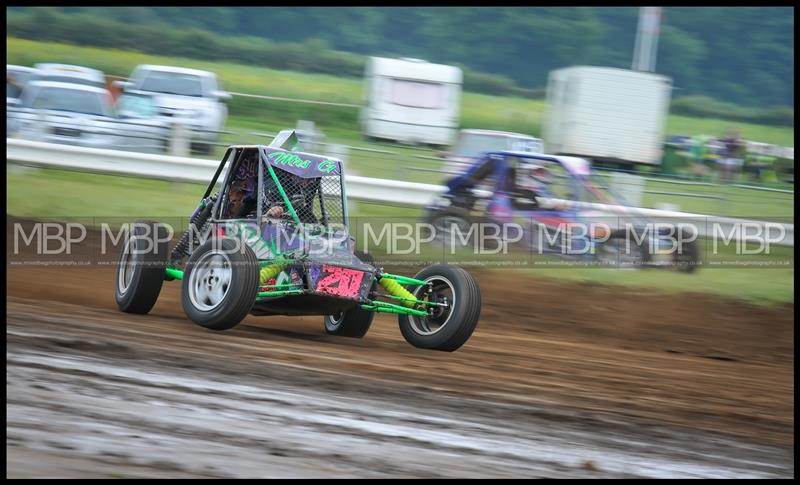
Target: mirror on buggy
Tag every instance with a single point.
(286, 140)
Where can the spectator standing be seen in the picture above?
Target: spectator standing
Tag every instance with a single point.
(115, 91)
(732, 155)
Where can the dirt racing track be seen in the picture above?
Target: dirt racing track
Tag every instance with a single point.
(559, 380)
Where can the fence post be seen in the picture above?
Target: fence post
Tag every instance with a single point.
(629, 187)
(179, 140)
(305, 125)
(339, 151)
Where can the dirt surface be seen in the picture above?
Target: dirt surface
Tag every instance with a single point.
(559, 380)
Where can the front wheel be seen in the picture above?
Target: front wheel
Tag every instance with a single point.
(455, 299)
(220, 283)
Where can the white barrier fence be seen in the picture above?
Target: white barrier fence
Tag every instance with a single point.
(359, 188)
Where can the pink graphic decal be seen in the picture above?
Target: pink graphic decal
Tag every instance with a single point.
(340, 281)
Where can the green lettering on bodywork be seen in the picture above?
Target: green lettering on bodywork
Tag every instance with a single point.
(290, 159)
(326, 166)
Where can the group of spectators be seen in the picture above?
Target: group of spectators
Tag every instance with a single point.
(726, 157)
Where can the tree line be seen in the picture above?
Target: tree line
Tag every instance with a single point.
(734, 62)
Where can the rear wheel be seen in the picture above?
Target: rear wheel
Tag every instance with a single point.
(452, 225)
(687, 259)
(220, 283)
(141, 268)
(455, 315)
(353, 323)
(623, 251)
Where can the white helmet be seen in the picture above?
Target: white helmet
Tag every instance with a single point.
(539, 173)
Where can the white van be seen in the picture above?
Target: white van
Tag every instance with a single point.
(607, 114)
(411, 101)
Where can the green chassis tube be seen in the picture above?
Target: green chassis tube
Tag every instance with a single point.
(174, 274)
(383, 307)
(403, 280)
(376, 306)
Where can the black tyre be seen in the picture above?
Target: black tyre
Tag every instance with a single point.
(623, 251)
(687, 259)
(449, 327)
(203, 148)
(220, 283)
(353, 323)
(448, 222)
(141, 268)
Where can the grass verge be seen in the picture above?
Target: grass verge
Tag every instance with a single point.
(54, 194)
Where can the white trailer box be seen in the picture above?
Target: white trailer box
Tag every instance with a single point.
(411, 101)
(607, 114)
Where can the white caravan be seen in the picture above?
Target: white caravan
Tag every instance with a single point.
(607, 114)
(411, 101)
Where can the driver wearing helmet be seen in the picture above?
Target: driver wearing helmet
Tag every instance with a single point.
(532, 188)
(300, 192)
(242, 194)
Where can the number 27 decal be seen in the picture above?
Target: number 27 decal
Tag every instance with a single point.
(340, 281)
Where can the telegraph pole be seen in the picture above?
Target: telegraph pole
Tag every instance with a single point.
(646, 47)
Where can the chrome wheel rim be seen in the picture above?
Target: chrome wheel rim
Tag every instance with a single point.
(210, 281)
(443, 292)
(335, 320)
(126, 268)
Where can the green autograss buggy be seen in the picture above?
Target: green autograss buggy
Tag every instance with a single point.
(274, 241)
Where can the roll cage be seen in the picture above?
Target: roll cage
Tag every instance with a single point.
(281, 171)
(497, 168)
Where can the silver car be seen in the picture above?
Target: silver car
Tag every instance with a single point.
(75, 114)
(16, 78)
(188, 96)
(472, 144)
(68, 73)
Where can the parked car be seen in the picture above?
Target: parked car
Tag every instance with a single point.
(75, 114)
(189, 96)
(67, 73)
(472, 144)
(16, 78)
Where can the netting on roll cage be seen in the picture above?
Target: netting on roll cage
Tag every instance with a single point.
(315, 200)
